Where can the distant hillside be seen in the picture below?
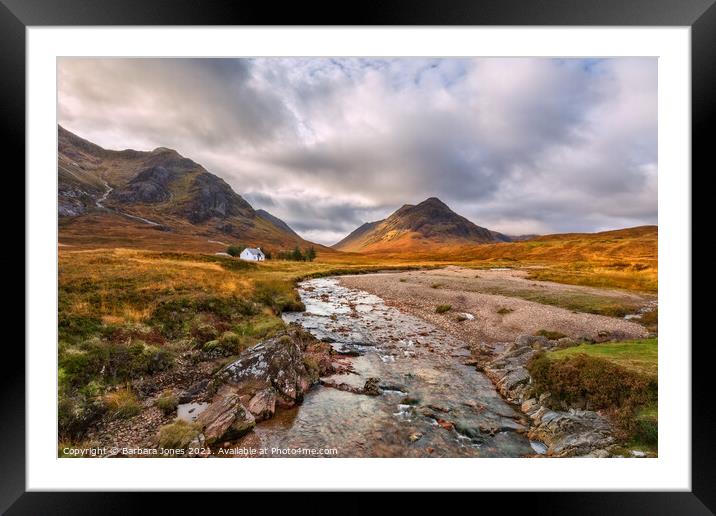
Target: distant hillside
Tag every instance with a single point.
(105, 194)
(426, 225)
(275, 221)
(616, 248)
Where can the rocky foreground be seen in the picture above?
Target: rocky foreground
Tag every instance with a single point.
(564, 433)
(217, 407)
(368, 380)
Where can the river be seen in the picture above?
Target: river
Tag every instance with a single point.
(432, 404)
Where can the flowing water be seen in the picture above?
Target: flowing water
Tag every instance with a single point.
(432, 404)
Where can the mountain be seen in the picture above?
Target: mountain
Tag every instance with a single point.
(105, 193)
(418, 227)
(275, 221)
(522, 238)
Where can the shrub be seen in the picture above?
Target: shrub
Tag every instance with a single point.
(204, 332)
(435, 285)
(260, 326)
(173, 317)
(296, 255)
(279, 296)
(505, 311)
(72, 327)
(599, 384)
(122, 404)
(310, 254)
(313, 365)
(167, 402)
(178, 435)
(147, 359)
(233, 250)
(78, 365)
(228, 344)
(647, 425)
(441, 309)
(551, 335)
(76, 412)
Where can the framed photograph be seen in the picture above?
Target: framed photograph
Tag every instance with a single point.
(440, 250)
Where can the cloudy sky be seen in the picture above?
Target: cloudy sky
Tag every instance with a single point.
(516, 145)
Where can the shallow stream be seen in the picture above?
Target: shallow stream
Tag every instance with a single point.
(432, 404)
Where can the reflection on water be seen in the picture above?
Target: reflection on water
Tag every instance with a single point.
(432, 404)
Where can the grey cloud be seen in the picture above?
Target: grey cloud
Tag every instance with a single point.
(517, 145)
(171, 102)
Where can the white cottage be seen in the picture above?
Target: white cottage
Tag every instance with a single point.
(252, 255)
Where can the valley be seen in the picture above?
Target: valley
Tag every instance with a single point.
(423, 334)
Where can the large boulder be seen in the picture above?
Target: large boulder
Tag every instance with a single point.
(225, 418)
(277, 363)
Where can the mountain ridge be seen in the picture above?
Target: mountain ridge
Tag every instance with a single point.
(428, 223)
(161, 187)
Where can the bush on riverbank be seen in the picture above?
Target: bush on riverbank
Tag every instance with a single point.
(122, 404)
(167, 402)
(279, 295)
(618, 377)
(178, 435)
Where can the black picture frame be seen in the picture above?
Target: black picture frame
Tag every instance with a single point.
(700, 15)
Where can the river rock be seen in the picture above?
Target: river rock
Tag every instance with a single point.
(528, 406)
(572, 433)
(515, 378)
(225, 418)
(530, 341)
(277, 363)
(263, 404)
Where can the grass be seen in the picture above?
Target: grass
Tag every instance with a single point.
(122, 404)
(640, 356)
(178, 435)
(617, 377)
(125, 313)
(441, 309)
(622, 259)
(576, 301)
(167, 402)
(602, 276)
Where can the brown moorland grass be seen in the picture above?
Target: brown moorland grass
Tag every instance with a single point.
(625, 258)
(126, 311)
